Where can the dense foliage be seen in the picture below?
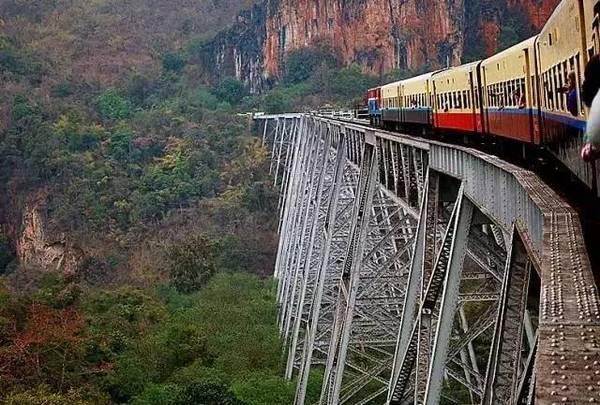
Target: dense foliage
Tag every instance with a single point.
(155, 198)
(142, 346)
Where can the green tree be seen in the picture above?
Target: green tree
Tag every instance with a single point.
(120, 143)
(277, 102)
(192, 263)
(209, 394)
(173, 62)
(112, 106)
(302, 63)
(231, 91)
(264, 389)
(159, 394)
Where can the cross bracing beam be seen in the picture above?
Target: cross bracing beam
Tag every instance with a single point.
(404, 305)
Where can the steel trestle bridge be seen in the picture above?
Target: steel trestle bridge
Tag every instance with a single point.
(413, 271)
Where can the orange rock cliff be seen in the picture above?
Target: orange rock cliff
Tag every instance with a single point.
(379, 35)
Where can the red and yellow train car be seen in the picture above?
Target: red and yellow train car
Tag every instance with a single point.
(391, 104)
(456, 99)
(417, 100)
(508, 93)
(591, 10)
(529, 93)
(561, 58)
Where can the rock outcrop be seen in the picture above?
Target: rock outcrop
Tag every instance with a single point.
(37, 246)
(379, 35)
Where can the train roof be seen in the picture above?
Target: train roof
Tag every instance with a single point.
(455, 69)
(397, 83)
(424, 76)
(528, 43)
(558, 10)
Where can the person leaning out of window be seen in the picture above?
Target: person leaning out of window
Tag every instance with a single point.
(571, 91)
(591, 98)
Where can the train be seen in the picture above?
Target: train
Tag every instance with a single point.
(521, 95)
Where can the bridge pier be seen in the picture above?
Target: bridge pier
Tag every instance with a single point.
(414, 272)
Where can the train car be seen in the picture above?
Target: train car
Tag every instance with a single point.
(374, 105)
(417, 100)
(456, 99)
(391, 105)
(508, 93)
(562, 52)
(592, 24)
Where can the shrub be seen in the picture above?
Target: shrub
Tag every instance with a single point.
(192, 263)
(112, 106)
(173, 62)
(231, 91)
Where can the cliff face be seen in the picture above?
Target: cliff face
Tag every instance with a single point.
(238, 51)
(380, 35)
(37, 245)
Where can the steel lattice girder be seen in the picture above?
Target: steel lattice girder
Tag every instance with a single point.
(342, 303)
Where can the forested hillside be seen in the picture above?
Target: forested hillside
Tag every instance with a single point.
(136, 212)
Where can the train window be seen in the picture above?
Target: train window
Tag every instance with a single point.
(560, 80)
(554, 82)
(578, 75)
(533, 86)
(565, 75)
(547, 91)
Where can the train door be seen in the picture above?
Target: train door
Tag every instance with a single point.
(428, 101)
(484, 101)
(476, 117)
(596, 29)
(536, 82)
(533, 128)
(401, 103)
(434, 104)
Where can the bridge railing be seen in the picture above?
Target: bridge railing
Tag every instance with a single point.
(411, 271)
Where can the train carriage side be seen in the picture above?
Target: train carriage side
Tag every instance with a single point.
(390, 112)
(561, 49)
(416, 101)
(456, 99)
(592, 24)
(508, 93)
(374, 105)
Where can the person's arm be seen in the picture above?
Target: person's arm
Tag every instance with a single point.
(591, 150)
(593, 124)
